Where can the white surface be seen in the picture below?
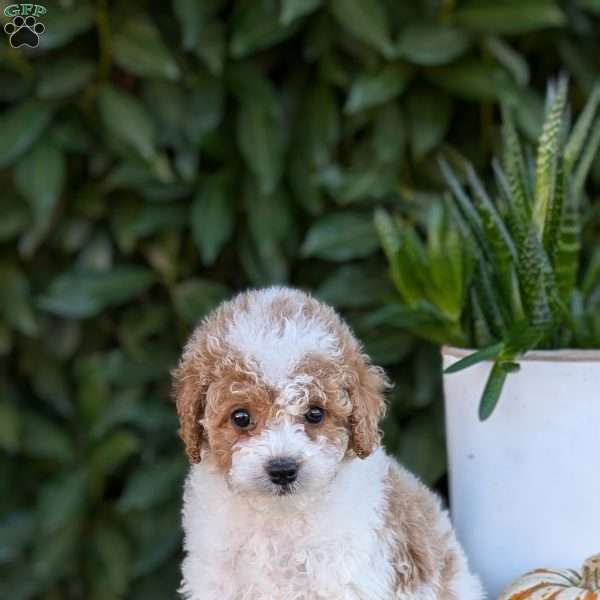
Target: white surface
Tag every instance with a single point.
(525, 484)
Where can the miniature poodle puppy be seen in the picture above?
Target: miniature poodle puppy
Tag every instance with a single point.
(289, 496)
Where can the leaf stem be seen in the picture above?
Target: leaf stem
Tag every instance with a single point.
(104, 40)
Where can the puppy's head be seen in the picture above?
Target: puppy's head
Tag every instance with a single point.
(274, 390)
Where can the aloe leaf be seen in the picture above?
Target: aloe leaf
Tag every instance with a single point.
(536, 278)
(585, 163)
(515, 167)
(406, 257)
(516, 218)
(581, 130)
(482, 333)
(517, 307)
(449, 265)
(555, 215)
(487, 353)
(501, 245)
(591, 278)
(491, 393)
(465, 206)
(567, 252)
(540, 313)
(494, 311)
(547, 154)
(413, 265)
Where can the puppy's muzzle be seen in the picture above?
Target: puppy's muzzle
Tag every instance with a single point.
(282, 471)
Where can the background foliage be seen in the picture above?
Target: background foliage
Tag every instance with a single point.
(157, 156)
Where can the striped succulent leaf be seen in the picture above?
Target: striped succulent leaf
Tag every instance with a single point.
(548, 153)
(501, 245)
(583, 166)
(555, 216)
(518, 180)
(465, 207)
(591, 279)
(566, 261)
(533, 270)
(517, 221)
(481, 331)
(491, 301)
(581, 130)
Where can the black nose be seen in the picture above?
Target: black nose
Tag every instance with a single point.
(282, 471)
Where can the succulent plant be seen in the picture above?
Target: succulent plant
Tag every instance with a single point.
(499, 272)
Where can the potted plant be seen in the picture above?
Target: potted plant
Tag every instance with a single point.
(497, 282)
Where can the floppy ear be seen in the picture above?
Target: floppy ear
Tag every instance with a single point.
(190, 396)
(368, 407)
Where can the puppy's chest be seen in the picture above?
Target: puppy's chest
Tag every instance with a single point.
(311, 557)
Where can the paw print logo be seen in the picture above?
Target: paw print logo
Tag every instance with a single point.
(24, 31)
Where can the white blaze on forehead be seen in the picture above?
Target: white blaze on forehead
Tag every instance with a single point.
(277, 344)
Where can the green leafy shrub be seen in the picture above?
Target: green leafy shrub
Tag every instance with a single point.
(501, 275)
(155, 157)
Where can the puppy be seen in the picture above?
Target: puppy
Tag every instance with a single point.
(289, 496)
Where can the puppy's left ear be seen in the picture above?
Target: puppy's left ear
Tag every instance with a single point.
(368, 407)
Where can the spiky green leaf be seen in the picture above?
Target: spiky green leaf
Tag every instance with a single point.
(487, 353)
(491, 393)
(581, 130)
(548, 152)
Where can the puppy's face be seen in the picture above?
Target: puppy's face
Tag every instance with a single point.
(273, 389)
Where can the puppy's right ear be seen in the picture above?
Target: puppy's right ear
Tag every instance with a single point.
(190, 395)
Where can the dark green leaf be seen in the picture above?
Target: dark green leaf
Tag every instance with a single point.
(152, 484)
(64, 24)
(40, 178)
(428, 120)
(61, 501)
(43, 439)
(112, 550)
(471, 79)
(16, 530)
(341, 236)
(257, 25)
(431, 44)
(509, 16)
(126, 118)
(65, 77)
(368, 286)
(294, 9)
(82, 294)
(367, 21)
(191, 17)
(213, 216)
(373, 89)
(261, 141)
(137, 47)
(15, 301)
(21, 127)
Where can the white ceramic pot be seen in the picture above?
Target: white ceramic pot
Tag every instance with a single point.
(525, 484)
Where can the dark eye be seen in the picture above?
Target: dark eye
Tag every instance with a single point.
(241, 418)
(314, 415)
